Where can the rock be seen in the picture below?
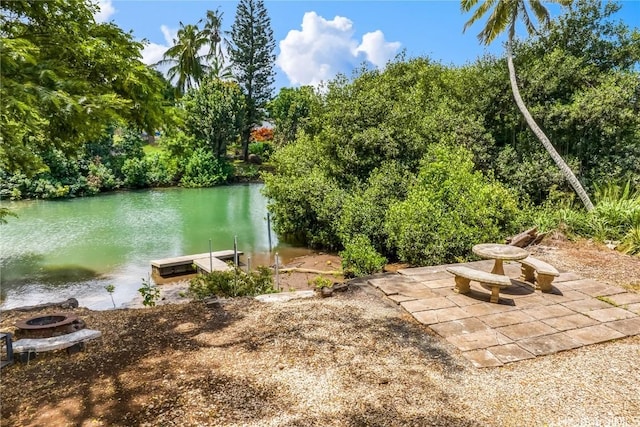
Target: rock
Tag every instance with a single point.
(255, 159)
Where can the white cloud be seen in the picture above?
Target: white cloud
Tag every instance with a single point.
(376, 49)
(105, 12)
(325, 48)
(152, 52)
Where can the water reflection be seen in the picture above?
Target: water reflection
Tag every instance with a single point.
(74, 248)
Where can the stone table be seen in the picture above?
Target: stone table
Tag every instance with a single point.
(499, 253)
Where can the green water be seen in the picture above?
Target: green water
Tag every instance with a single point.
(73, 248)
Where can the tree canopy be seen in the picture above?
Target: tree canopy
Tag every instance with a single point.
(65, 78)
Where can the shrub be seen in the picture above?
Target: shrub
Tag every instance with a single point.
(232, 283)
(205, 170)
(450, 208)
(359, 258)
(262, 149)
(162, 169)
(135, 173)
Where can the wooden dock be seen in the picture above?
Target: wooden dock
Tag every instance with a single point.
(189, 264)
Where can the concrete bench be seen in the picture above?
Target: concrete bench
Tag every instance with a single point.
(463, 275)
(28, 348)
(539, 273)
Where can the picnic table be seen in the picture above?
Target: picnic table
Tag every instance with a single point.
(499, 253)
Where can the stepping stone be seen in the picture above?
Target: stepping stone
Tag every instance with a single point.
(459, 327)
(504, 319)
(482, 358)
(548, 311)
(479, 340)
(573, 321)
(594, 334)
(427, 304)
(610, 314)
(508, 353)
(549, 344)
(526, 330)
(628, 327)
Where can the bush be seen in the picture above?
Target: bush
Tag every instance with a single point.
(359, 258)
(204, 170)
(449, 209)
(162, 169)
(363, 212)
(616, 216)
(232, 283)
(262, 149)
(135, 173)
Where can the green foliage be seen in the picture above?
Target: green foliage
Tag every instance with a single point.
(252, 58)
(262, 149)
(205, 170)
(359, 258)
(135, 173)
(631, 241)
(305, 209)
(215, 114)
(293, 110)
(111, 289)
(65, 79)
(162, 169)
(616, 217)
(150, 293)
(364, 211)
(449, 209)
(320, 282)
(4, 213)
(184, 59)
(232, 283)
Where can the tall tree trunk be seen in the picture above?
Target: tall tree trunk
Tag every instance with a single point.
(564, 168)
(246, 134)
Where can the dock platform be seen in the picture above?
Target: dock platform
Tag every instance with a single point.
(189, 264)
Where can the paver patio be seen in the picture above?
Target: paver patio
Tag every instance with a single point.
(525, 323)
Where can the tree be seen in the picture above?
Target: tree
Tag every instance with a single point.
(212, 31)
(65, 79)
(185, 58)
(215, 114)
(252, 60)
(292, 110)
(505, 15)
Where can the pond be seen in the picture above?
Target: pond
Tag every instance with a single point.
(56, 250)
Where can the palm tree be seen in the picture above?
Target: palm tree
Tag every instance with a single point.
(212, 32)
(215, 57)
(185, 59)
(504, 15)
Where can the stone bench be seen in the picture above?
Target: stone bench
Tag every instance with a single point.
(463, 275)
(28, 348)
(539, 273)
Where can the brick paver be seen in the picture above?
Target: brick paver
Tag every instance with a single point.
(525, 323)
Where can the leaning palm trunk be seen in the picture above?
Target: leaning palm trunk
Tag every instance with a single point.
(564, 168)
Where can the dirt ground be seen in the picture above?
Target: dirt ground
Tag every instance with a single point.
(355, 359)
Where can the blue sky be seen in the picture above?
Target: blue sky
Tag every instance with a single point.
(317, 39)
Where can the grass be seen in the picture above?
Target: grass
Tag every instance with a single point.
(152, 149)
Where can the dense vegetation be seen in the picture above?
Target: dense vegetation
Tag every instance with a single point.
(416, 162)
(81, 114)
(419, 161)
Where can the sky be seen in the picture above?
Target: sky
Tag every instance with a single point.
(316, 40)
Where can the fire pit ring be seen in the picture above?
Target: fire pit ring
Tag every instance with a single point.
(49, 325)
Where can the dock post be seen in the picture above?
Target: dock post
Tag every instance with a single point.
(235, 251)
(210, 258)
(249, 264)
(269, 229)
(277, 275)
